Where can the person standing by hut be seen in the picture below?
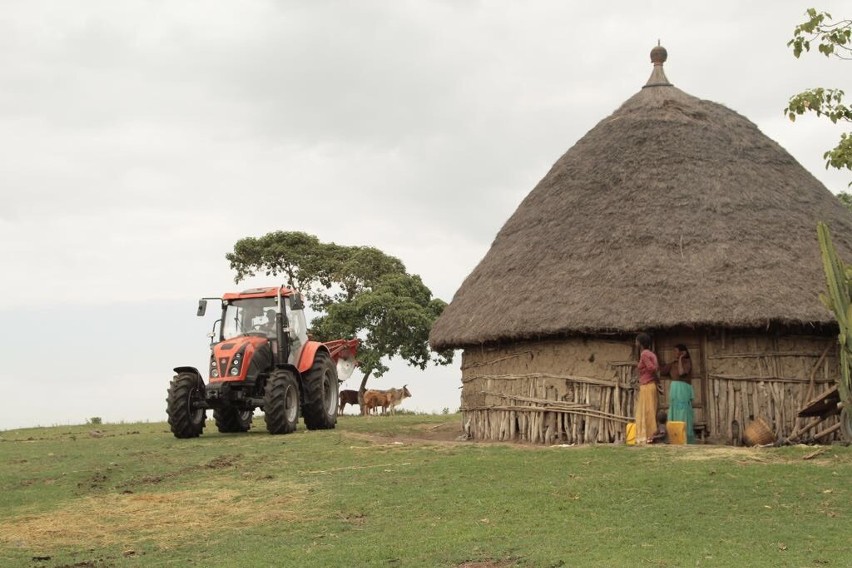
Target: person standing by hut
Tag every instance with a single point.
(646, 406)
(681, 393)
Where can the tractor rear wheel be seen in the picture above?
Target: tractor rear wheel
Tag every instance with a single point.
(321, 395)
(230, 419)
(183, 405)
(281, 402)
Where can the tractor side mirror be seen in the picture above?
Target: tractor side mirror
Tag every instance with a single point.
(202, 308)
(296, 302)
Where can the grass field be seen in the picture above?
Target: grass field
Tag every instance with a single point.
(401, 491)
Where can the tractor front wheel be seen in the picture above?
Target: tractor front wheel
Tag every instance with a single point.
(184, 405)
(321, 393)
(281, 402)
(230, 419)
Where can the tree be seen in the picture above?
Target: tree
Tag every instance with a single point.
(300, 257)
(833, 39)
(355, 291)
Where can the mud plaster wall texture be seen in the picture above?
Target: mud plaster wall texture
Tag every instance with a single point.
(522, 391)
(511, 391)
(751, 376)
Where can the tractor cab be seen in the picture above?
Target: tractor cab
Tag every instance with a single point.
(267, 320)
(257, 316)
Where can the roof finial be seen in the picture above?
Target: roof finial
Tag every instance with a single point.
(658, 77)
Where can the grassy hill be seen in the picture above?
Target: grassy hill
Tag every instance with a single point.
(401, 491)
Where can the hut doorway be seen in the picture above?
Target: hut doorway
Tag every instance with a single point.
(665, 350)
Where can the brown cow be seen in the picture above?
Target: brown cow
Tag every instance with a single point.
(373, 399)
(385, 398)
(347, 397)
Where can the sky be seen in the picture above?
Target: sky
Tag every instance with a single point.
(140, 140)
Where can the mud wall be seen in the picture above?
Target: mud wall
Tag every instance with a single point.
(582, 390)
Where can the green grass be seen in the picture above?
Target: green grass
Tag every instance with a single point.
(398, 491)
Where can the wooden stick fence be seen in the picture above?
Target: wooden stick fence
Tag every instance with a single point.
(529, 407)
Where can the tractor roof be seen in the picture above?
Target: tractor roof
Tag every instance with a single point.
(270, 292)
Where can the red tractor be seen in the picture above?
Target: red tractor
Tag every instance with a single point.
(261, 357)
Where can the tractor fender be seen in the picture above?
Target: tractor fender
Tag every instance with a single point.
(297, 374)
(187, 370)
(309, 352)
(290, 367)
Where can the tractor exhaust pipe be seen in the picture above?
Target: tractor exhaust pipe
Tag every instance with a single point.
(282, 331)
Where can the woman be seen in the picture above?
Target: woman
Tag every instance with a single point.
(646, 406)
(680, 391)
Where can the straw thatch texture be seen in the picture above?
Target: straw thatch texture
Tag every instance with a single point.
(673, 211)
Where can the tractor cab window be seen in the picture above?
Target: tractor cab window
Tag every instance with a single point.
(298, 329)
(252, 315)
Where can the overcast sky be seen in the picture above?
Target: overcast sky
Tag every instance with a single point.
(140, 140)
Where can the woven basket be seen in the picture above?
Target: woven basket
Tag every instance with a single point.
(758, 433)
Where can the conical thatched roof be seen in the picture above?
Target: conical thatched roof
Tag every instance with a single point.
(673, 211)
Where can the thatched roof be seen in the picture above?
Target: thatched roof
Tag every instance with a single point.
(673, 211)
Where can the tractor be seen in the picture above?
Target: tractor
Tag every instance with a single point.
(261, 357)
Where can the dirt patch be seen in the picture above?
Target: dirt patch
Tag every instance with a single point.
(95, 481)
(446, 431)
(356, 519)
(712, 453)
(220, 462)
(403, 439)
(450, 434)
(223, 461)
(751, 456)
(445, 434)
(165, 518)
(53, 436)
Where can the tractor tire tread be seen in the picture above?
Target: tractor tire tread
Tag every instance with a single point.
(280, 418)
(229, 419)
(181, 419)
(320, 413)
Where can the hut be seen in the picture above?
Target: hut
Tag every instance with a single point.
(676, 216)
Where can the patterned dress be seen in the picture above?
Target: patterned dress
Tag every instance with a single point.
(646, 406)
(681, 395)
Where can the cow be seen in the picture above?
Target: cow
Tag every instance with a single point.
(373, 399)
(396, 396)
(347, 397)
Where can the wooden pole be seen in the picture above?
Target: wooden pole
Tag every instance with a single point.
(827, 431)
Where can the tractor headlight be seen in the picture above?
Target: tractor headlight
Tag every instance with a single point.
(236, 363)
(214, 373)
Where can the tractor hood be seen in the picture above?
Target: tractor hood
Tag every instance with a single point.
(230, 359)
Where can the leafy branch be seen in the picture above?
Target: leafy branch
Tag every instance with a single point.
(832, 39)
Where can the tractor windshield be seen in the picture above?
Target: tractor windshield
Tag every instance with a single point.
(251, 315)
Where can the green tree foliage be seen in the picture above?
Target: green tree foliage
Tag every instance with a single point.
(833, 39)
(301, 258)
(356, 292)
